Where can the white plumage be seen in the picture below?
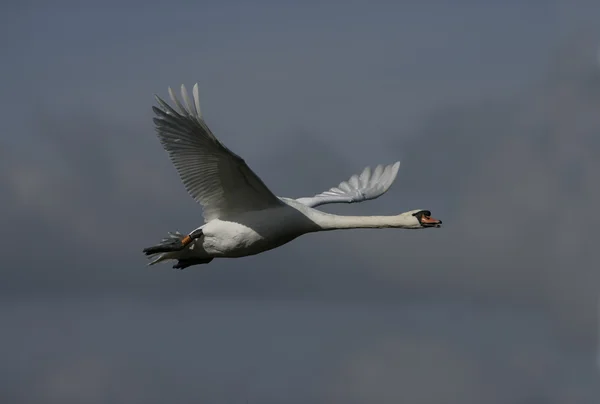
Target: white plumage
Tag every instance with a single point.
(242, 216)
(358, 188)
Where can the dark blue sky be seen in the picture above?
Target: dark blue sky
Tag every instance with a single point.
(490, 106)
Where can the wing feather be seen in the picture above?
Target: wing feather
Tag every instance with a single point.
(214, 176)
(368, 185)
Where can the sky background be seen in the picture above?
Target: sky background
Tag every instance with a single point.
(492, 107)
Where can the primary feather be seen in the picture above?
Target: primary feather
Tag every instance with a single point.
(217, 178)
(368, 185)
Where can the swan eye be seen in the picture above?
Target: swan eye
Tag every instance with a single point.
(420, 213)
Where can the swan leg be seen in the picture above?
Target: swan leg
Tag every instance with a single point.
(165, 247)
(173, 244)
(188, 262)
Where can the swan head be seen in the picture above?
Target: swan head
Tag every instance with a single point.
(421, 219)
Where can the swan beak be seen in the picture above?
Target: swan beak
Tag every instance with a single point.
(428, 221)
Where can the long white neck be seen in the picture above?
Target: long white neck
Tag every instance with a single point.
(326, 221)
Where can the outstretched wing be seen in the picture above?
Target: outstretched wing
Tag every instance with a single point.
(214, 176)
(368, 185)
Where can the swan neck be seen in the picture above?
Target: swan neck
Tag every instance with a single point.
(328, 221)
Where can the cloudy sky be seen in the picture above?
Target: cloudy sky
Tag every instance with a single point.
(492, 109)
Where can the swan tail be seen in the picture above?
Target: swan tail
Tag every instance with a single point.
(155, 255)
(163, 252)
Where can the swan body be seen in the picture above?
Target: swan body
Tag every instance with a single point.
(242, 216)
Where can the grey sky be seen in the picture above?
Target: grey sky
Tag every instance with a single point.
(492, 109)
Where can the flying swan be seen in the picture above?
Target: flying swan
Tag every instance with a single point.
(241, 215)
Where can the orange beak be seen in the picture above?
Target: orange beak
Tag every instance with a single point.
(429, 221)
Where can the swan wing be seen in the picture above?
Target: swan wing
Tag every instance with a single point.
(213, 175)
(370, 184)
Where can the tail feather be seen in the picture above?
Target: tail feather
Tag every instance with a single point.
(185, 258)
(156, 258)
(159, 257)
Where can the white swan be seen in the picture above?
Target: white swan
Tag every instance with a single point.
(242, 216)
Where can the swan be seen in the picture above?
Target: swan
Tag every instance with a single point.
(242, 216)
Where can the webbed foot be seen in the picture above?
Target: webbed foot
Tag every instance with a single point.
(170, 245)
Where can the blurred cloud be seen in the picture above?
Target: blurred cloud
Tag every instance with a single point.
(114, 349)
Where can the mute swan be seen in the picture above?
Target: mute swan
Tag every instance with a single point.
(241, 215)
